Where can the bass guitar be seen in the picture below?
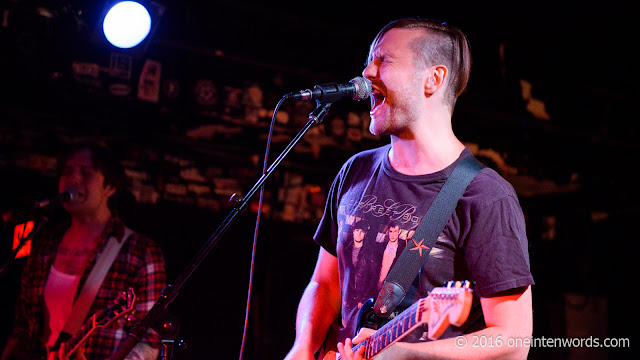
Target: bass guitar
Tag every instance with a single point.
(442, 307)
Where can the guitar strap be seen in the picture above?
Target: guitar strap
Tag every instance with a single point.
(416, 253)
(91, 286)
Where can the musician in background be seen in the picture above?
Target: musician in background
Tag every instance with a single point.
(64, 253)
(418, 68)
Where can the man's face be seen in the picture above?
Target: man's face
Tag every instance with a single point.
(358, 235)
(398, 86)
(394, 231)
(79, 174)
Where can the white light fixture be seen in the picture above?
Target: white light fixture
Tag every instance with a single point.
(126, 24)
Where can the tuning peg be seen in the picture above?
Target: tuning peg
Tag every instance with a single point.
(131, 317)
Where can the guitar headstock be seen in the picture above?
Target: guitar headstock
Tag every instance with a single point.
(124, 304)
(448, 305)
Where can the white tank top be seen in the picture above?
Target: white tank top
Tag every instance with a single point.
(59, 292)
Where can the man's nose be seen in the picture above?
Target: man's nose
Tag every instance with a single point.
(369, 71)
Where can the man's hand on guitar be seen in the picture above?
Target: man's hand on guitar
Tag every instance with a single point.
(77, 355)
(346, 351)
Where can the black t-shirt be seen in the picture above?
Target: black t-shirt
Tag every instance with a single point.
(372, 210)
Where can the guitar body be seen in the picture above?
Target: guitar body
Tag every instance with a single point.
(51, 353)
(444, 306)
(121, 306)
(365, 317)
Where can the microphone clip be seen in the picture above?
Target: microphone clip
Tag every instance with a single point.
(318, 114)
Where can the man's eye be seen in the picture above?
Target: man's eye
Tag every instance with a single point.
(375, 58)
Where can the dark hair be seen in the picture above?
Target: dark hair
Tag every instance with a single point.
(363, 225)
(442, 45)
(105, 162)
(394, 223)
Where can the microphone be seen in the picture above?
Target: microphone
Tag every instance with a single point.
(65, 196)
(357, 88)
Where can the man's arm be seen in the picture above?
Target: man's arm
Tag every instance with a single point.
(10, 345)
(318, 308)
(149, 283)
(19, 342)
(509, 320)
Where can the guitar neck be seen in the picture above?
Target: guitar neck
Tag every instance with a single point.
(443, 306)
(395, 329)
(79, 336)
(121, 306)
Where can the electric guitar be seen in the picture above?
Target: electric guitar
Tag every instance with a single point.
(443, 306)
(122, 305)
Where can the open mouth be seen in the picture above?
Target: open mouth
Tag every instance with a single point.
(377, 99)
(77, 196)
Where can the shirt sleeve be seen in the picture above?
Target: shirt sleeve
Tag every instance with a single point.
(150, 282)
(21, 322)
(327, 232)
(497, 250)
(143, 351)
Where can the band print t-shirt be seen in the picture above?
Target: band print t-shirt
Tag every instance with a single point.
(372, 211)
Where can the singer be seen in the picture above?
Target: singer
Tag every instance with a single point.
(417, 68)
(67, 254)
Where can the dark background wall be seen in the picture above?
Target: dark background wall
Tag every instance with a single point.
(204, 138)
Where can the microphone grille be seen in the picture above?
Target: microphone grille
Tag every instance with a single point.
(70, 195)
(363, 88)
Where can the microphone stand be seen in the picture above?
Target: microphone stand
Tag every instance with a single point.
(170, 292)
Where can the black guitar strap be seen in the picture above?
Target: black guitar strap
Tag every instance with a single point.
(416, 253)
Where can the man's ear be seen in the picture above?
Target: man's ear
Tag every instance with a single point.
(110, 190)
(436, 79)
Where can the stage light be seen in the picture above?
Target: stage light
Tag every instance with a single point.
(126, 24)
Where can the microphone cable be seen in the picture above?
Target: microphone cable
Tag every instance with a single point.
(257, 226)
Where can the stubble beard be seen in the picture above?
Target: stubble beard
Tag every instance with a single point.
(398, 114)
(394, 121)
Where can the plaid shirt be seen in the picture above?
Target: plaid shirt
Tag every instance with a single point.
(139, 264)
